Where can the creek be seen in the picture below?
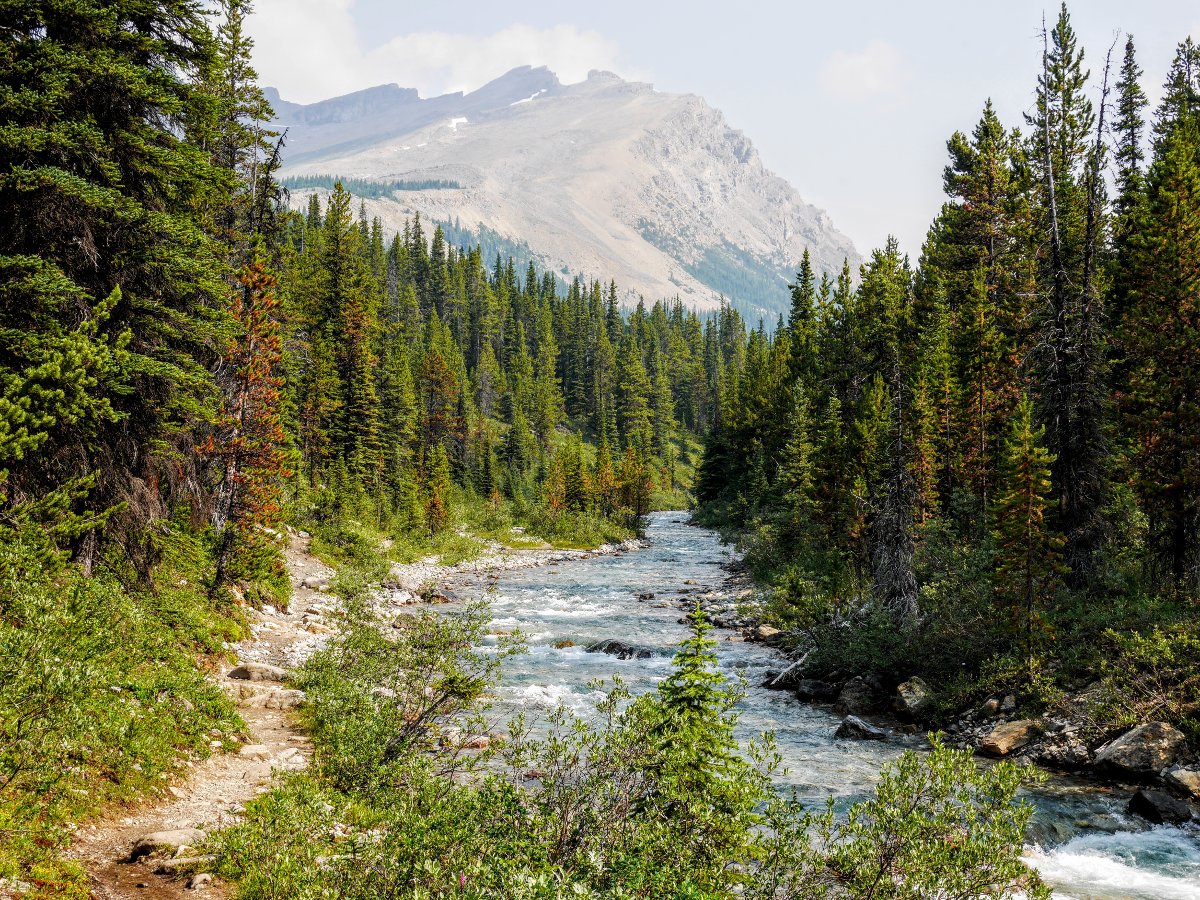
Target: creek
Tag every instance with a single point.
(1081, 839)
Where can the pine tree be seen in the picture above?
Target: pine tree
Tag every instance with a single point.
(634, 418)
(437, 490)
(99, 226)
(1129, 127)
(1068, 358)
(802, 323)
(1028, 560)
(249, 442)
(1161, 407)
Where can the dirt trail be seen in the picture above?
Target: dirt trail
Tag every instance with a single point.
(215, 790)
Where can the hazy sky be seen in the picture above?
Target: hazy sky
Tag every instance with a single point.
(851, 101)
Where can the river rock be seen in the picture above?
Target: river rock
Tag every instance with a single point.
(620, 649)
(439, 595)
(778, 681)
(403, 581)
(1061, 751)
(1009, 736)
(814, 690)
(257, 672)
(766, 633)
(645, 596)
(913, 698)
(1159, 807)
(165, 842)
(1185, 779)
(855, 729)
(855, 698)
(1142, 752)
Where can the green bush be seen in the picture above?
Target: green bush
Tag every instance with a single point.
(653, 797)
(101, 697)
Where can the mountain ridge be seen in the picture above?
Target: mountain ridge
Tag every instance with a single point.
(602, 178)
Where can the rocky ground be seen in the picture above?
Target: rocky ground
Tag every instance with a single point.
(1152, 761)
(145, 851)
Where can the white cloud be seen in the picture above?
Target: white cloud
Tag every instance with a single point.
(310, 51)
(877, 70)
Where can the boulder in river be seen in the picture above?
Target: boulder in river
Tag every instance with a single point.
(913, 700)
(1009, 736)
(1064, 750)
(814, 690)
(1142, 752)
(856, 697)
(766, 633)
(1159, 807)
(439, 595)
(1185, 780)
(620, 649)
(855, 729)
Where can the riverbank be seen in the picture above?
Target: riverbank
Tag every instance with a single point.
(1081, 826)
(145, 850)
(1151, 761)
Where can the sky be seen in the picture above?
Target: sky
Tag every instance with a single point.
(851, 100)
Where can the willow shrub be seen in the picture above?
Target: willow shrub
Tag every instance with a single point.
(650, 797)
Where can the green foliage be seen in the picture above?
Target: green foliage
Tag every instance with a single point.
(1152, 677)
(652, 798)
(361, 187)
(101, 696)
(994, 450)
(938, 826)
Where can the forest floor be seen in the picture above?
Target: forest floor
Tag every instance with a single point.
(143, 851)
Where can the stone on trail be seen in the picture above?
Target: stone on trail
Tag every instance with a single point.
(165, 842)
(1009, 736)
(257, 672)
(1142, 752)
(255, 751)
(855, 729)
(1159, 807)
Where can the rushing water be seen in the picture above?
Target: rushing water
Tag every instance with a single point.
(1084, 845)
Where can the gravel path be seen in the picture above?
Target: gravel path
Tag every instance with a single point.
(144, 852)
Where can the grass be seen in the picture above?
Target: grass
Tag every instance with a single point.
(103, 698)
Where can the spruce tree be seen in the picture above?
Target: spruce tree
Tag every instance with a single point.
(1161, 406)
(1028, 556)
(103, 253)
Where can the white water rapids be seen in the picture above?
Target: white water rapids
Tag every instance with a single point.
(1082, 842)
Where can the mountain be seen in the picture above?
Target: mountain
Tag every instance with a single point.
(604, 178)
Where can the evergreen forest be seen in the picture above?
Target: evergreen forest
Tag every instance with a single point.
(981, 468)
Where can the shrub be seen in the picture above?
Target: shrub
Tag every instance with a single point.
(651, 798)
(100, 693)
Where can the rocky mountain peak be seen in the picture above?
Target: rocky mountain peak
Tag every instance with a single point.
(603, 178)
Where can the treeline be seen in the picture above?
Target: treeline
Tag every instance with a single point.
(988, 465)
(196, 358)
(411, 365)
(363, 187)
